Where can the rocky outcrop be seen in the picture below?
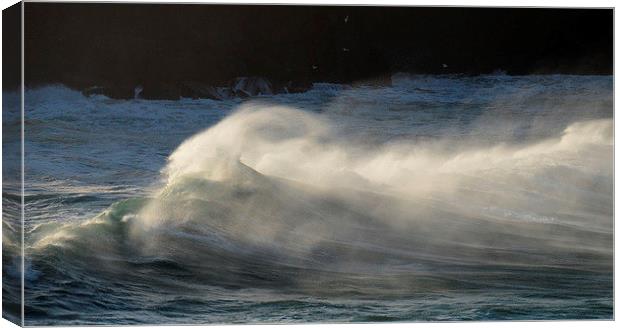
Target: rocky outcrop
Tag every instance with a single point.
(198, 90)
(293, 87)
(241, 87)
(244, 87)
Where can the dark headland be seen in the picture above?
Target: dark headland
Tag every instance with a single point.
(174, 50)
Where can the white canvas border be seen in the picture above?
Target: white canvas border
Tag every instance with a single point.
(468, 3)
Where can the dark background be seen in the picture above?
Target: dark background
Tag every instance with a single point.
(11, 46)
(82, 45)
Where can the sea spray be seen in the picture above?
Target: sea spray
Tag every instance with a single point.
(475, 198)
(278, 181)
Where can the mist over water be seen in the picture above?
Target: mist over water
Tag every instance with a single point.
(296, 184)
(439, 198)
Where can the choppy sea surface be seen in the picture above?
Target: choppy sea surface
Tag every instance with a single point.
(436, 198)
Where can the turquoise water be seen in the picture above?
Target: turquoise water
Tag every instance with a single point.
(437, 198)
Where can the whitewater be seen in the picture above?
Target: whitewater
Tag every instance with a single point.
(436, 198)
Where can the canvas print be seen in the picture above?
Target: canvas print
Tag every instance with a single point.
(220, 164)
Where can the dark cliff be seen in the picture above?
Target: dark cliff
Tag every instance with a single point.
(82, 45)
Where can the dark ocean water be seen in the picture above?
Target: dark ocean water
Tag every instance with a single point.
(438, 198)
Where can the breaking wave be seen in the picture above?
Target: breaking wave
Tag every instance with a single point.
(276, 197)
(435, 198)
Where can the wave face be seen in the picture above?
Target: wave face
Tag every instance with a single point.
(440, 198)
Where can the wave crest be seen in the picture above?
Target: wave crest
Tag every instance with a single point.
(279, 193)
